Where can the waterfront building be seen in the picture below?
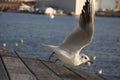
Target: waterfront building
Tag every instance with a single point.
(13, 4)
(17, 0)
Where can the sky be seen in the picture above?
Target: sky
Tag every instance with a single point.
(108, 4)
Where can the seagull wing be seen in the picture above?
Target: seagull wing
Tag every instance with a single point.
(82, 35)
(82, 3)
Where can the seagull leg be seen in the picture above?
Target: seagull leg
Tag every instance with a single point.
(49, 58)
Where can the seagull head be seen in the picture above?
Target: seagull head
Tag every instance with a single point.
(85, 59)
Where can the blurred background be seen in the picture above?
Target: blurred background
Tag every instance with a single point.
(26, 24)
(59, 7)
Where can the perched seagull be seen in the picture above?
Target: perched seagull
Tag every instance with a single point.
(69, 51)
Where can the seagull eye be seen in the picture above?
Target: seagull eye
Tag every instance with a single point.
(85, 57)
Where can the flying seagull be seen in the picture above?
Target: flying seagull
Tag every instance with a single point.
(69, 50)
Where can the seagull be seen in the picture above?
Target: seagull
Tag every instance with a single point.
(69, 50)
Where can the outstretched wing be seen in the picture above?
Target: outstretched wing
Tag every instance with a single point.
(82, 35)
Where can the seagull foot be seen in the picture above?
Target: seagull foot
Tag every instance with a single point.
(49, 58)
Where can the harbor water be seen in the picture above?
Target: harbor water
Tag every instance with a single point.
(27, 32)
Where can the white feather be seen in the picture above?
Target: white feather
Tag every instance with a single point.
(69, 50)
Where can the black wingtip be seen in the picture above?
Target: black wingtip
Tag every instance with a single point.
(85, 15)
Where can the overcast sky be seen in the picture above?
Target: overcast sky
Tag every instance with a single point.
(107, 3)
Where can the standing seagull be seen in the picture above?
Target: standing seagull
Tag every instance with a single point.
(69, 51)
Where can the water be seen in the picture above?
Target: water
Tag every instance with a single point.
(38, 29)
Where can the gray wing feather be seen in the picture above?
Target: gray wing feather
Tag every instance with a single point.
(82, 35)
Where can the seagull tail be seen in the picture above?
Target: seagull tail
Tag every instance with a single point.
(50, 47)
(46, 45)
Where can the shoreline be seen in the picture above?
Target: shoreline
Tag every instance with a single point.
(98, 13)
(108, 14)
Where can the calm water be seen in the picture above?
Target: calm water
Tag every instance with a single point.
(38, 29)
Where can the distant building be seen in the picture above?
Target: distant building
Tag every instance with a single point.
(13, 4)
(107, 4)
(26, 8)
(17, 0)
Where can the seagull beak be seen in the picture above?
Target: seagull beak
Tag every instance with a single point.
(89, 63)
